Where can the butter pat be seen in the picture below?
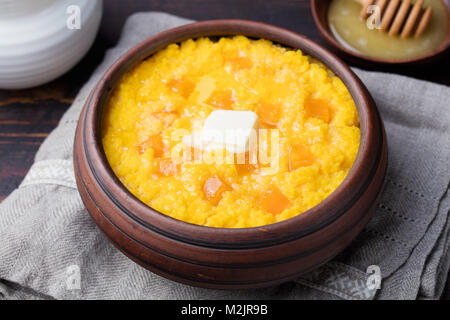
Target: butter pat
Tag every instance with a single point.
(229, 129)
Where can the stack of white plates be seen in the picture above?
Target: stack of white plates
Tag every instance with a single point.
(40, 39)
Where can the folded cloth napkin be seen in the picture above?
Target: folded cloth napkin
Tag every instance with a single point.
(51, 248)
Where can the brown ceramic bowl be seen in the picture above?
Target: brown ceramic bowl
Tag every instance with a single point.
(320, 13)
(220, 257)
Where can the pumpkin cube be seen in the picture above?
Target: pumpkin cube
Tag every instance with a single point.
(183, 87)
(240, 63)
(155, 142)
(269, 114)
(317, 108)
(300, 156)
(221, 99)
(213, 189)
(247, 166)
(166, 117)
(274, 201)
(167, 167)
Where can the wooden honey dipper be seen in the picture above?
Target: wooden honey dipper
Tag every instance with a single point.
(400, 9)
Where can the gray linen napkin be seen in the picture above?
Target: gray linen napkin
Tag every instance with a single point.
(50, 247)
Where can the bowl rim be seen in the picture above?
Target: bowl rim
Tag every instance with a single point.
(310, 221)
(336, 45)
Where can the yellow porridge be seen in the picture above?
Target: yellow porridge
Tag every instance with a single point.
(304, 116)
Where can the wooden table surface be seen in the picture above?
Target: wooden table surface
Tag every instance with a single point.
(28, 116)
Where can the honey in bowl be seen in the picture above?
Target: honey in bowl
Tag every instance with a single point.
(352, 31)
(303, 113)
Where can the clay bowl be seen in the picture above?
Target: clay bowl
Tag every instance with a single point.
(320, 13)
(220, 257)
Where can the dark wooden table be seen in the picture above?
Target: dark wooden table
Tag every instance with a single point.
(28, 116)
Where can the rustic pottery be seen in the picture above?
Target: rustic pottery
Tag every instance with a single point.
(219, 257)
(38, 42)
(319, 10)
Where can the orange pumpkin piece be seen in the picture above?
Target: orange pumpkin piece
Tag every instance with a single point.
(300, 156)
(269, 114)
(166, 117)
(240, 63)
(221, 99)
(213, 189)
(246, 167)
(167, 167)
(155, 142)
(182, 86)
(243, 169)
(317, 108)
(274, 201)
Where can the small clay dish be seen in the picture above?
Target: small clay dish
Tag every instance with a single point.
(220, 257)
(319, 10)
